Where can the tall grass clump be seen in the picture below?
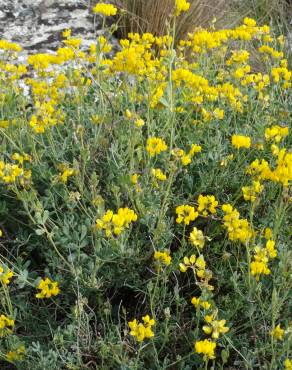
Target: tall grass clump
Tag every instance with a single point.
(155, 16)
(145, 207)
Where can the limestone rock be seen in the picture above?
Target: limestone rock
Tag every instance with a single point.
(37, 25)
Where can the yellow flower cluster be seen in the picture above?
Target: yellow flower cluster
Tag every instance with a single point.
(250, 192)
(240, 141)
(185, 214)
(276, 133)
(288, 364)
(16, 355)
(184, 157)
(142, 330)
(214, 327)
(115, 223)
(206, 348)
(282, 173)
(181, 6)
(9, 46)
(11, 173)
(6, 325)
(5, 275)
(11, 73)
(198, 302)
(282, 73)
(138, 121)
(66, 173)
(277, 332)
(158, 174)
(259, 265)
(197, 238)
(163, 257)
(198, 265)
(105, 9)
(266, 49)
(207, 203)
(48, 288)
(238, 57)
(238, 229)
(155, 145)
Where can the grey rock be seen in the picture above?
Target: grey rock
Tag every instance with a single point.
(38, 24)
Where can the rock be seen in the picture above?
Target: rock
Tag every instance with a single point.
(37, 25)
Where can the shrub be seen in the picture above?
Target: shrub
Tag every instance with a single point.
(145, 203)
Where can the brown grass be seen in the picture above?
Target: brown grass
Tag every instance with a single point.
(154, 15)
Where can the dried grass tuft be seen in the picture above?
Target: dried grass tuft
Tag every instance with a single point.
(154, 15)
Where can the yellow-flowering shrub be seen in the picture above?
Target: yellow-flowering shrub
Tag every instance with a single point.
(147, 180)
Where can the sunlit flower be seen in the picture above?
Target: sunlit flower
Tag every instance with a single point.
(48, 288)
(105, 9)
(206, 348)
(240, 141)
(142, 330)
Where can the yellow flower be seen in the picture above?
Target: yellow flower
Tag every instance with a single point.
(16, 355)
(181, 6)
(268, 234)
(277, 333)
(143, 330)
(6, 325)
(75, 43)
(139, 122)
(185, 214)
(238, 229)
(276, 133)
(197, 238)
(270, 247)
(250, 192)
(48, 288)
(240, 141)
(67, 172)
(218, 113)
(105, 9)
(5, 275)
(205, 304)
(155, 145)
(158, 174)
(215, 327)
(207, 203)
(258, 268)
(66, 33)
(134, 178)
(197, 302)
(250, 22)
(163, 257)
(198, 265)
(115, 223)
(128, 114)
(206, 348)
(185, 160)
(195, 149)
(4, 124)
(288, 364)
(188, 262)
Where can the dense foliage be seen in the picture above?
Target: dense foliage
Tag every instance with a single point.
(145, 202)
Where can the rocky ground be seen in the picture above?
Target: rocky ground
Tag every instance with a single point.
(37, 24)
